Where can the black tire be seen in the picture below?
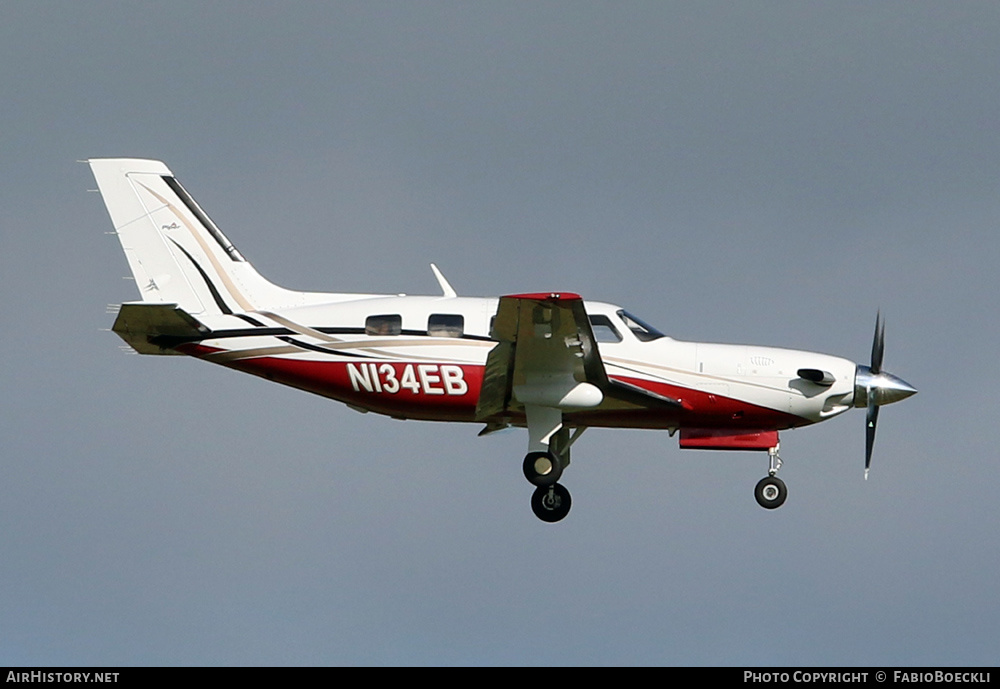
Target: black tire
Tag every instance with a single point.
(542, 468)
(551, 503)
(770, 492)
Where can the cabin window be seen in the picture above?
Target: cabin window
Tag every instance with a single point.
(445, 325)
(391, 324)
(604, 330)
(643, 331)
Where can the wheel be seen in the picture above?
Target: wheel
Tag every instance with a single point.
(551, 503)
(770, 492)
(542, 468)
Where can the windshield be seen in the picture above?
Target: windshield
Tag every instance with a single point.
(643, 331)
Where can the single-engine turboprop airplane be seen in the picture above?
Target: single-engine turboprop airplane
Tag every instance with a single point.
(546, 361)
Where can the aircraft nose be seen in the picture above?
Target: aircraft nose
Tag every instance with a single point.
(886, 387)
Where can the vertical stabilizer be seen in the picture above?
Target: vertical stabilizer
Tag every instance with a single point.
(176, 253)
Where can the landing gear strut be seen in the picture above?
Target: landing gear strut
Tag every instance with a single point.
(771, 491)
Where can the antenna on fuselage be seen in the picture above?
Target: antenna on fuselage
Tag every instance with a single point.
(448, 290)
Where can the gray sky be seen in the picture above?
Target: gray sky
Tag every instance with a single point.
(769, 172)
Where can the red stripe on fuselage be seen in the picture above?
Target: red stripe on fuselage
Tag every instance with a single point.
(428, 393)
(412, 390)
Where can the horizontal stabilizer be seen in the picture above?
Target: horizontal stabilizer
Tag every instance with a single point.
(156, 328)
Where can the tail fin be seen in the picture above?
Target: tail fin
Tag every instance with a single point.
(176, 253)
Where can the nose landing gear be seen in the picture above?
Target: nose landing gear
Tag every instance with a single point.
(771, 491)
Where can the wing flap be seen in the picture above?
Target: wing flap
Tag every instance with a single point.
(495, 393)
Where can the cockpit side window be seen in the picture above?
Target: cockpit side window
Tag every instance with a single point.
(604, 330)
(445, 325)
(643, 331)
(389, 324)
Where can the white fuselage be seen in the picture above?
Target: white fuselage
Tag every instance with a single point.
(414, 370)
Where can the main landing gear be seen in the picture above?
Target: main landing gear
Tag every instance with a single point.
(545, 464)
(771, 491)
(551, 501)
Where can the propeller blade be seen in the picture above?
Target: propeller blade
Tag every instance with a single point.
(878, 344)
(874, 387)
(871, 421)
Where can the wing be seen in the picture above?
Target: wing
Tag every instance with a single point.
(547, 356)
